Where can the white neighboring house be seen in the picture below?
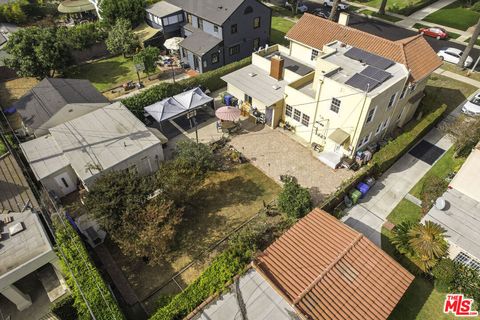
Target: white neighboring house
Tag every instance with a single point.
(461, 216)
(78, 151)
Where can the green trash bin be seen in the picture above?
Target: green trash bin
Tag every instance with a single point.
(355, 195)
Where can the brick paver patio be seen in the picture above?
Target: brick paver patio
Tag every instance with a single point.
(276, 154)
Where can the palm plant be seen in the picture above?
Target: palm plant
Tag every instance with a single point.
(428, 243)
(401, 237)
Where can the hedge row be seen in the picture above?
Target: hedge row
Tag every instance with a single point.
(213, 280)
(210, 80)
(389, 154)
(78, 266)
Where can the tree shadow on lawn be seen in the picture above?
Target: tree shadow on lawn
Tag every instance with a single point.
(218, 209)
(102, 72)
(444, 94)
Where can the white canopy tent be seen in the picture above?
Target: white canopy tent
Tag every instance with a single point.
(178, 105)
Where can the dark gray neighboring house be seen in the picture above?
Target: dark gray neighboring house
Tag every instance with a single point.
(217, 32)
(54, 101)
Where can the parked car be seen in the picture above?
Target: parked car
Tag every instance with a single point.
(300, 6)
(453, 55)
(435, 32)
(324, 13)
(341, 6)
(472, 107)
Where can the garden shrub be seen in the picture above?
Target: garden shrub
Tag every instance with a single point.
(64, 309)
(435, 187)
(211, 80)
(80, 271)
(466, 281)
(294, 200)
(475, 7)
(444, 273)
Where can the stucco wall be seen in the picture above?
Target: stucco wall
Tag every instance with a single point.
(51, 184)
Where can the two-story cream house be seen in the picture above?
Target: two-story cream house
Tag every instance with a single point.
(336, 86)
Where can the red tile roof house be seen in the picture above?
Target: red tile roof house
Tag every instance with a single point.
(322, 269)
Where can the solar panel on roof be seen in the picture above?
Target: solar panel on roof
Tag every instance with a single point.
(362, 82)
(369, 58)
(376, 74)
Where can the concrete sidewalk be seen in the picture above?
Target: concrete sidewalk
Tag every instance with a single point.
(422, 13)
(369, 216)
(458, 77)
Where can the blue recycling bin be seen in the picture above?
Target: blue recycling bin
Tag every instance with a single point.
(228, 100)
(363, 188)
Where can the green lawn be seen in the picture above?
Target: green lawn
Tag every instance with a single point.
(395, 6)
(105, 74)
(405, 211)
(442, 168)
(451, 35)
(464, 72)
(441, 89)
(476, 42)
(380, 16)
(280, 26)
(455, 16)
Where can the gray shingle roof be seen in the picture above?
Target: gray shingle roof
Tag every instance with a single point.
(216, 11)
(49, 96)
(199, 42)
(162, 9)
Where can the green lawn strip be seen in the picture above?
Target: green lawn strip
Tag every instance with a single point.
(380, 16)
(442, 168)
(280, 27)
(405, 211)
(105, 74)
(441, 89)
(476, 42)
(455, 16)
(404, 7)
(464, 72)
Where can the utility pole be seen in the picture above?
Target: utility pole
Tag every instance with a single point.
(471, 43)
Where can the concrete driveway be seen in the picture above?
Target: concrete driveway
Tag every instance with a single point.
(275, 153)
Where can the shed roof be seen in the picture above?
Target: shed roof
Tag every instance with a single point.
(216, 11)
(328, 270)
(200, 42)
(44, 156)
(461, 219)
(162, 9)
(50, 95)
(413, 52)
(261, 86)
(467, 180)
(102, 139)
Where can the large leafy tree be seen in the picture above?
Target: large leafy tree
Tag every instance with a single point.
(294, 200)
(149, 233)
(121, 39)
(148, 57)
(85, 35)
(429, 244)
(38, 52)
(131, 10)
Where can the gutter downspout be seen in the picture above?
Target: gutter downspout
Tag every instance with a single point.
(316, 106)
(360, 117)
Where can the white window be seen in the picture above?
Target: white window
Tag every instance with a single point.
(365, 140)
(386, 123)
(296, 115)
(305, 120)
(467, 260)
(392, 100)
(413, 87)
(335, 105)
(288, 111)
(314, 54)
(371, 114)
(215, 28)
(379, 129)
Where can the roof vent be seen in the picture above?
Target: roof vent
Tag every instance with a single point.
(252, 74)
(276, 87)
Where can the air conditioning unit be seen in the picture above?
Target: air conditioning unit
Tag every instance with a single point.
(16, 228)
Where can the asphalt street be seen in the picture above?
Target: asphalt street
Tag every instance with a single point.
(393, 32)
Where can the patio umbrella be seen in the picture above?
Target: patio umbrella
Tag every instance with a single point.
(172, 43)
(228, 113)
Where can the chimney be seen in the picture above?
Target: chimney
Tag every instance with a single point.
(276, 67)
(343, 18)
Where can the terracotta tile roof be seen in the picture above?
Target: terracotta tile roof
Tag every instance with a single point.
(329, 271)
(413, 52)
